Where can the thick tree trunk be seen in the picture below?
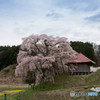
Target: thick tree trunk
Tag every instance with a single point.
(62, 66)
(34, 85)
(57, 68)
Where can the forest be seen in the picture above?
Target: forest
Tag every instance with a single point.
(8, 54)
(90, 50)
(85, 48)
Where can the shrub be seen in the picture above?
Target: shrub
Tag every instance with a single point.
(6, 70)
(14, 67)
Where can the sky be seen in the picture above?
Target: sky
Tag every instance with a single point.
(77, 20)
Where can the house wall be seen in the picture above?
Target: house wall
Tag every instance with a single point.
(83, 68)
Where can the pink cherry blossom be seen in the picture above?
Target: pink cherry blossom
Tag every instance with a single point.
(41, 52)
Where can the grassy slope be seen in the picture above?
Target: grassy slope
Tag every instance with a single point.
(62, 82)
(62, 88)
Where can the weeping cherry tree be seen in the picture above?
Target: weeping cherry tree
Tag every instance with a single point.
(45, 56)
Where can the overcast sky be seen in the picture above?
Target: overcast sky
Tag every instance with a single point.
(78, 20)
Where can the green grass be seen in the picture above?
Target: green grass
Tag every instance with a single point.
(62, 82)
(93, 78)
(61, 89)
(48, 95)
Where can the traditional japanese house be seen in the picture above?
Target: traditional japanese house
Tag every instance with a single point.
(83, 64)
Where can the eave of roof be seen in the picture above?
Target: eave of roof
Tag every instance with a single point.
(80, 58)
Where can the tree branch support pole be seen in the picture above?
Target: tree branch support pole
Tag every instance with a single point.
(40, 85)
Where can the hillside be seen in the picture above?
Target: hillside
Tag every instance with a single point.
(60, 89)
(7, 75)
(62, 82)
(64, 85)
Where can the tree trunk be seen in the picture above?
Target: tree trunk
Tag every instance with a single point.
(62, 66)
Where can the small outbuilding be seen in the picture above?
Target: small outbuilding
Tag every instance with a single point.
(83, 64)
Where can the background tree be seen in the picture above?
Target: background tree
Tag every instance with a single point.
(85, 48)
(97, 53)
(8, 55)
(51, 54)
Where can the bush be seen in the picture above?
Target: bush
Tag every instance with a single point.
(6, 70)
(14, 67)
